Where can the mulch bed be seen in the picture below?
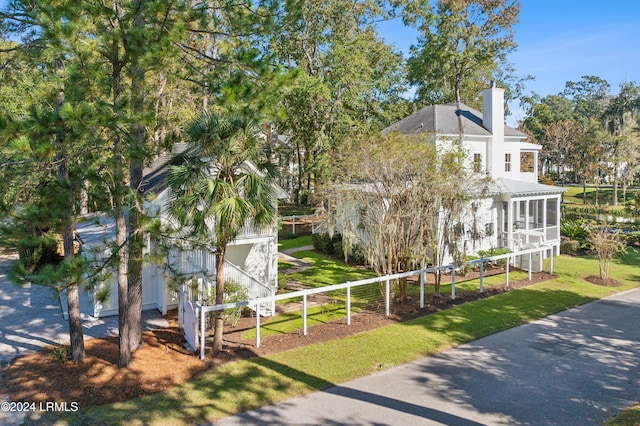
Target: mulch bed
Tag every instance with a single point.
(162, 362)
(609, 282)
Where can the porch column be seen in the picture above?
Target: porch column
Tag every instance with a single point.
(526, 221)
(544, 219)
(510, 213)
(558, 221)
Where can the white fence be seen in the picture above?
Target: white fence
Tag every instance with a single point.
(348, 286)
(314, 221)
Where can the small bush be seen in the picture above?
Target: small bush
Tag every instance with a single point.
(495, 252)
(547, 179)
(569, 246)
(575, 230)
(358, 255)
(324, 243)
(338, 251)
(287, 236)
(60, 353)
(632, 239)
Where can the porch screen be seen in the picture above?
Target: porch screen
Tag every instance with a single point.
(552, 212)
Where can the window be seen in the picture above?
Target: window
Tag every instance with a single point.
(507, 162)
(527, 162)
(477, 163)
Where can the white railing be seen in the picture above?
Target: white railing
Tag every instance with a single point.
(304, 294)
(250, 230)
(255, 288)
(200, 264)
(315, 219)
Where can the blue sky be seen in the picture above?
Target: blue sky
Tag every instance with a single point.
(562, 40)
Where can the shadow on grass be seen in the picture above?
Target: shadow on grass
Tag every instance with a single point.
(251, 394)
(247, 385)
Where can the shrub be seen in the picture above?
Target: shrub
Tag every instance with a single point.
(569, 246)
(574, 230)
(606, 243)
(233, 292)
(338, 250)
(632, 239)
(495, 252)
(287, 236)
(324, 243)
(358, 255)
(547, 179)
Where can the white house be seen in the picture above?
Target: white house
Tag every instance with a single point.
(515, 211)
(251, 259)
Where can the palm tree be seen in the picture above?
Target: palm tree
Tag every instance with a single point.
(218, 184)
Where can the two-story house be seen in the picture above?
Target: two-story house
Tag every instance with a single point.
(251, 259)
(516, 212)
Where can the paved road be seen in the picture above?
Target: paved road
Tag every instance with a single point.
(579, 367)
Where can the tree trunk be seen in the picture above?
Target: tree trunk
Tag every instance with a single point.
(219, 315)
(615, 184)
(137, 154)
(124, 350)
(84, 197)
(299, 186)
(75, 320)
(584, 191)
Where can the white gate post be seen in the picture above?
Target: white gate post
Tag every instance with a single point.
(349, 305)
(551, 261)
(530, 260)
(481, 274)
(257, 325)
(304, 314)
(453, 282)
(421, 290)
(387, 294)
(202, 328)
(507, 270)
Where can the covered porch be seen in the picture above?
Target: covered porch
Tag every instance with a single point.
(529, 217)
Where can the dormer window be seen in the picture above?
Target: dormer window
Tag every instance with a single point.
(507, 162)
(477, 163)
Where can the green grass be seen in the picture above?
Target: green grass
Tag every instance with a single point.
(305, 240)
(292, 321)
(629, 417)
(327, 270)
(284, 265)
(291, 209)
(244, 385)
(574, 195)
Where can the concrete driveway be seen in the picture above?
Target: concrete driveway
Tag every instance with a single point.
(579, 367)
(31, 318)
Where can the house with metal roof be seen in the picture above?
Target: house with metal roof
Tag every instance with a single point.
(515, 211)
(250, 260)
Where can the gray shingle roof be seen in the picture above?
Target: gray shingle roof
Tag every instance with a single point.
(518, 187)
(443, 119)
(155, 176)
